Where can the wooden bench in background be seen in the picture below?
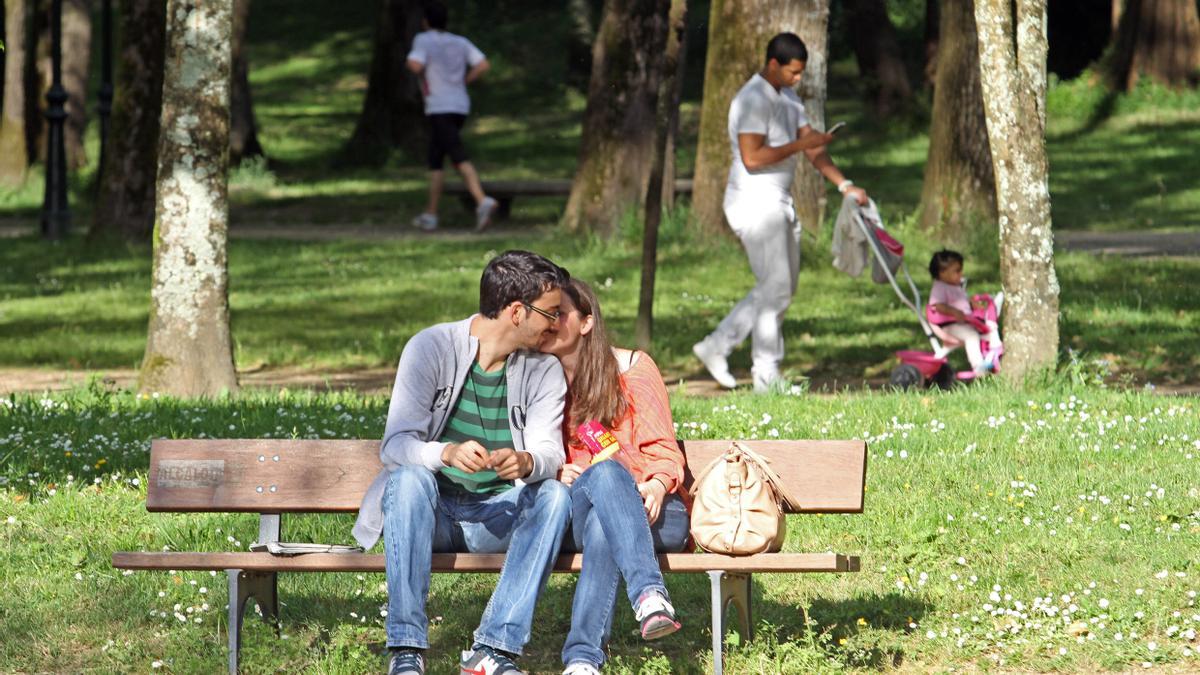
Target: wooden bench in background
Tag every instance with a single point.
(274, 477)
(505, 191)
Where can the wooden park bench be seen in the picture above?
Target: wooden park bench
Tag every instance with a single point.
(505, 191)
(274, 477)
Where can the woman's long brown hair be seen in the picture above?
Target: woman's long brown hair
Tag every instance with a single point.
(596, 390)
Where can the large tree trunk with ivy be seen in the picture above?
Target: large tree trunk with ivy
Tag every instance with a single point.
(393, 112)
(737, 46)
(617, 147)
(125, 197)
(1156, 38)
(959, 190)
(76, 60)
(243, 130)
(14, 157)
(189, 351)
(877, 51)
(1012, 57)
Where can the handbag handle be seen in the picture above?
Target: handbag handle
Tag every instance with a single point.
(764, 465)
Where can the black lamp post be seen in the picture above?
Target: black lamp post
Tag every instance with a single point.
(106, 86)
(56, 216)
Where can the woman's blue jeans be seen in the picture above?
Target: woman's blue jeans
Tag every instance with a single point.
(527, 521)
(608, 523)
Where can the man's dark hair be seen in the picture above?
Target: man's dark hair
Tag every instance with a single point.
(941, 260)
(517, 276)
(785, 48)
(436, 15)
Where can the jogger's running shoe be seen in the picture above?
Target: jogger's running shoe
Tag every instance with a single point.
(715, 363)
(484, 213)
(428, 222)
(656, 615)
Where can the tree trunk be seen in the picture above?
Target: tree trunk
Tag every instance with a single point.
(76, 59)
(959, 189)
(125, 200)
(14, 157)
(671, 91)
(656, 189)
(932, 30)
(617, 147)
(737, 45)
(189, 350)
(393, 112)
(1158, 38)
(243, 130)
(1013, 74)
(878, 53)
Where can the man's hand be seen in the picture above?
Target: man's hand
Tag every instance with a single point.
(653, 492)
(858, 193)
(468, 456)
(567, 473)
(510, 464)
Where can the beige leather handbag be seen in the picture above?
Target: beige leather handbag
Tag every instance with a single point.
(738, 504)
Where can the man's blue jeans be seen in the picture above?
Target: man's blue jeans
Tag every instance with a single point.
(527, 521)
(608, 523)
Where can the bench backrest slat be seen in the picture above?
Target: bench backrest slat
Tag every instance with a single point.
(281, 476)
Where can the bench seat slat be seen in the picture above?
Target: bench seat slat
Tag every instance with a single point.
(331, 476)
(470, 562)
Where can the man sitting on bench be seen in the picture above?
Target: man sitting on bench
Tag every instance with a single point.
(473, 431)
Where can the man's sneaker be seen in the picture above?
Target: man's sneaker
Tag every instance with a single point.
(484, 212)
(656, 615)
(484, 660)
(426, 221)
(406, 661)
(715, 363)
(770, 383)
(581, 668)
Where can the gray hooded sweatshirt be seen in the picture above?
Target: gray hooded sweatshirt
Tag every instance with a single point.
(433, 368)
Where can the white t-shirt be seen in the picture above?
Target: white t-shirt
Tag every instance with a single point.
(759, 109)
(446, 58)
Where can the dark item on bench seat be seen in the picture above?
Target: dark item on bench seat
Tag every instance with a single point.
(504, 191)
(272, 477)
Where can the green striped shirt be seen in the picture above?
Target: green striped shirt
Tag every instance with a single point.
(480, 414)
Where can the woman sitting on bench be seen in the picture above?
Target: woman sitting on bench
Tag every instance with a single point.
(625, 471)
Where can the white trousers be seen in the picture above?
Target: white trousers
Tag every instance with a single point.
(970, 338)
(770, 233)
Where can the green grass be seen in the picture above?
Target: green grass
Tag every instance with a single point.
(348, 304)
(1070, 496)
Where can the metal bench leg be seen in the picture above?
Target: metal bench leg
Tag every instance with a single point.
(728, 589)
(264, 588)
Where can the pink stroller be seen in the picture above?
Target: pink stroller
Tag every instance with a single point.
(887, 258)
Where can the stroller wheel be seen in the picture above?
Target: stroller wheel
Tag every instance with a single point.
(945, 378)
(906, 376)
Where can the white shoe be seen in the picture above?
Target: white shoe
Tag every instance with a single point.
(428, 222)
(484, 212)
(771, 382)
(715, 363)
(581, 668)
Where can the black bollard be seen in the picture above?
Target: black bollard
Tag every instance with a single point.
(56, 216)
(106, 84)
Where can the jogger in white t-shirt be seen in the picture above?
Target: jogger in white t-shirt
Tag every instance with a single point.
(446, 64)
(768, 129)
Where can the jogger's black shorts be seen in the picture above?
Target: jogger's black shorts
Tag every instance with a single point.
(444, 139)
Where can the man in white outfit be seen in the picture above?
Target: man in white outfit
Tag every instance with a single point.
(446, 64)
(768, 130)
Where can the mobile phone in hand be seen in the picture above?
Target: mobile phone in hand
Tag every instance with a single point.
(836, 128)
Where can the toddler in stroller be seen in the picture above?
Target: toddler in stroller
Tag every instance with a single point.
(957, 321)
